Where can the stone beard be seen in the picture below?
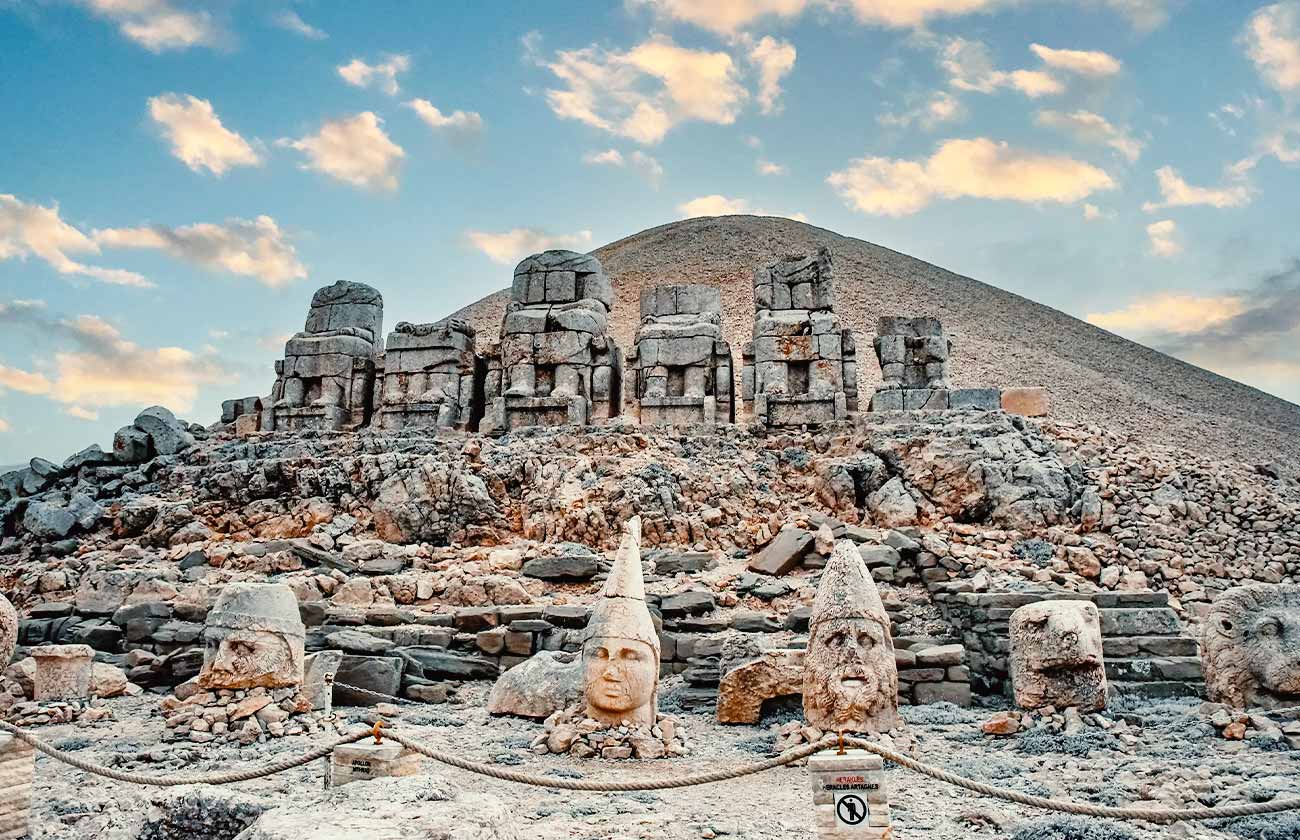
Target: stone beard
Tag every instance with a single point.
(1251, 647)
(620, 676)
(238, 659)
(850, 679)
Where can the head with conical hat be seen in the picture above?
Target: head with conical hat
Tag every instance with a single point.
(620, 647)
(850, 679)
(253, 638)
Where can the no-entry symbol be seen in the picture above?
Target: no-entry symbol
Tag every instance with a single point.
(850, 809)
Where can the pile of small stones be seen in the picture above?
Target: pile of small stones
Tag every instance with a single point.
(250, 716)
(1235, 725)
(571, 732)
(31, 713)
(797, 732)
(1066, 721)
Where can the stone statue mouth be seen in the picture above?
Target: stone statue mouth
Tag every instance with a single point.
(853, 682)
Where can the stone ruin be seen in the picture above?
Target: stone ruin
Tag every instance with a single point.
(327, 375)
(555, 363)
(431, 377)
(680, 366)
(800, 367)
(850, 676)
(1250, 647)
(1056, 656)
(252, 683)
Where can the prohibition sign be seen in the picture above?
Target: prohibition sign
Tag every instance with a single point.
(850, 809)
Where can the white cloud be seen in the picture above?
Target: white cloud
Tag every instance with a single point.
(157, 25)
(354, 150)
(290, 20)
(1272, 40)
(1163, 236)
(1179, 313)
(649, 167)
(643, 93)
(81, 413)
(1088, 127)
(609, 157)
(767, 167)
(462, 123)
(4, 425)
(970, 67)
(727, 17)
(22, 381)
(1091, 63)
(976, 168)
(1093, 213)
(30, 230)
(256, 248)
(1142, 15)
(774, 60)
(197, 137)
(382, 75)
(1175, 192)
(103, 368)
(508, 247)
(940, 107)
(720, 205)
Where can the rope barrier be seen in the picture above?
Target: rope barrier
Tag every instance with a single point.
(1155, 815)
(228, 777)
(379, 694)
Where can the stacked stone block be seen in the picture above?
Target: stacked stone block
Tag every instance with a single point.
(326, 379)
(680, 366)
(913, 356)
(1146, 653)
(431, 377)
(17, 769)
(555, 363)
(800, 367)
(850, 797)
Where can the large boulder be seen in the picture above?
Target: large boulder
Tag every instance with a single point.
(432, 501)
(167, 435)
(48, 520)
(544, 684)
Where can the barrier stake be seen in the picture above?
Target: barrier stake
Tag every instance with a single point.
(850, 801)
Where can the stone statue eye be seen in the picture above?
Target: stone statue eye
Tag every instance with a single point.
(1070, 638)
(1269, 628)
(865, 640)
(633, 655)
(601, 653)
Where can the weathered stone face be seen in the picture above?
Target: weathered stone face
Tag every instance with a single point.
(850, 677)
(1250, 647)
(1056, 656)
(254, 638)
(620, 677)
(620, 651)
(8, 631)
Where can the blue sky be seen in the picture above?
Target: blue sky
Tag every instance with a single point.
(176, 179)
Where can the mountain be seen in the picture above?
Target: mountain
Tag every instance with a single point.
(1000, 338)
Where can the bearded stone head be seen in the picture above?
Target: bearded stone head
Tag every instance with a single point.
(253, 637)
(1251, 647)
(850, 677)
(1056, 655)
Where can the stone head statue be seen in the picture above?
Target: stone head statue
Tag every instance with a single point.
(620, 649)
(850, 678)
(1250, 647)
(1056, 656)
(253, 638)
(561, 277)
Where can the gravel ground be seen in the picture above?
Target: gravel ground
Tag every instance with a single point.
(1179, 761)
(1001, 339)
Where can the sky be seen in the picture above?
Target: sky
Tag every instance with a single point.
(176, 178)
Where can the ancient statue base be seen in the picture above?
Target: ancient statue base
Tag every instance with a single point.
(246, 716)
(571, 732)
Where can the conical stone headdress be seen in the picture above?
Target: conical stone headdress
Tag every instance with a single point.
(846, 589)
(621, 611)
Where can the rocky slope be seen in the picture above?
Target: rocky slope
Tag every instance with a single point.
(1000, 338)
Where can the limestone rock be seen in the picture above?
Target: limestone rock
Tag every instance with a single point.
(744, 688)
(783, 553)
(1056, 656)
(8, 631)
(892, 506)
(546, 683)
(1250, 647)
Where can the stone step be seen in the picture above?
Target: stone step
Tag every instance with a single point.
(1154, 669)
(1159, 690)
(1134, 646)
(1140, 621)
